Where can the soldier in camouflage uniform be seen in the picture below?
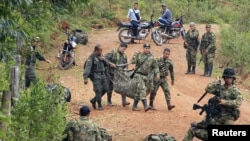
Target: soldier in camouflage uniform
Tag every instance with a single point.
(30, 75)
(83, 128)
(227, 106)
(191, 43)
(141, 75)
(117, 56)
(95, 69)
(207, 48)
(165, 67)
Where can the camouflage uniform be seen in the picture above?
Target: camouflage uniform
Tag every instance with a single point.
(30, 75)
(165, 67)
(117, 58)
(96, 69)
(208, 43)
(141, 76)
(191, 38)
(83, 129)
(228, 112)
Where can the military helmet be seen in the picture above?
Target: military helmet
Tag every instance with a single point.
(229, 72)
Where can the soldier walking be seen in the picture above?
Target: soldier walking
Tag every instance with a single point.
(117, 56)
(191, 43)
(30, 75)
(207, 49)
(95, 69)
(165, 67)
(147, 64)
(226, 103)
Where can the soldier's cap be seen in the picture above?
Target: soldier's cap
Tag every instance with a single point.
(135, 2)
(36, 39)
(146, 45)
(229, 72)
(123, 45)
(163, 4)
(191, 23)
(84, 110)
(208, 25)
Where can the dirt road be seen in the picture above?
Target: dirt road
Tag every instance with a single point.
(127, 125)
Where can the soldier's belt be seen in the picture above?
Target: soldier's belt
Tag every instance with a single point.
(145, 74)
(99, 73)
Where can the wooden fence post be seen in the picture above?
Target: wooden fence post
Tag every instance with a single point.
(15, 75)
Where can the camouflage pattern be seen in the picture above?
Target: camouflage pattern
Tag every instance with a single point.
(141, 76)
(165, 67)
(191, 52)
(233, 99)
(159, 137)
(98, 70)
(208, 44)
(30, 75)
(196, 132)
(83, 129)
(117, 58)
(228, 111)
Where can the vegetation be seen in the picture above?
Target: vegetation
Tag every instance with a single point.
(43, 17)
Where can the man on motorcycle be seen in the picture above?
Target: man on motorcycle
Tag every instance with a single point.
(166, 16)
(134, 18)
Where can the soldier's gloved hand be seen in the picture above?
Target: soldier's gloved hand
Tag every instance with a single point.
(193, 124)
(222, 102)
(85, 82)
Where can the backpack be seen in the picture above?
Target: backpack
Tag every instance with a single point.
(159, 137)
(91, 76)
(82, 37)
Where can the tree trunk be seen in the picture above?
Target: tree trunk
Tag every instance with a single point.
(6, 107)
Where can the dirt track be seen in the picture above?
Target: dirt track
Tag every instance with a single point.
(127, 125)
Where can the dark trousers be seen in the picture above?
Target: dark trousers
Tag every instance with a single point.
(135, 25)
(30, 76)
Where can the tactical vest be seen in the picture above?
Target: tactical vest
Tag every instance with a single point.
(163, 66)
(86, 133)
(116, 56)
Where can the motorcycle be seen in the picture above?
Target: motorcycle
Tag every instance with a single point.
(169, 32)
(126, 30)
(66, 53)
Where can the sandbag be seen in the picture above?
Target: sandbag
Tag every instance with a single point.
(124, 85)
(159, 137)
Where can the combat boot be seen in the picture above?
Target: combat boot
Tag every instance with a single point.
(188, 70)
(170, 107)
(93, 102)
(193, 70)
(205, 70)
(145, 105)
(100, 105)
(124, 102)
(151, 104)
(109, 103)
(135, 108)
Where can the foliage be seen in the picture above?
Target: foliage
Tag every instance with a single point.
(235, 41)
(38, 115)
(3, 118)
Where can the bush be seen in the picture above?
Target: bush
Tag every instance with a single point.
(39, 115)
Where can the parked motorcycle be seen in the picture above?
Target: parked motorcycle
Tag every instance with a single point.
(169, 32)
(126, 30)
(66, 53)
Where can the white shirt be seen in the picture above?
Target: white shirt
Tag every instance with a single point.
(132, 16)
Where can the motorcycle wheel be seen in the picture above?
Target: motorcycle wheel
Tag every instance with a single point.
(164, 39)
(67, 63)
(125, 35)
(156, 36)
(183, 34)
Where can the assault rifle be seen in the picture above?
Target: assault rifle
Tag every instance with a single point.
(209, 108)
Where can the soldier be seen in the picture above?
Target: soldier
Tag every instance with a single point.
(117, 56)
(95, 69)
(83, 128)
(165, 66)
(191, 43)
(30, 75)
(227, 106)
(207, 49)
(147, 64)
